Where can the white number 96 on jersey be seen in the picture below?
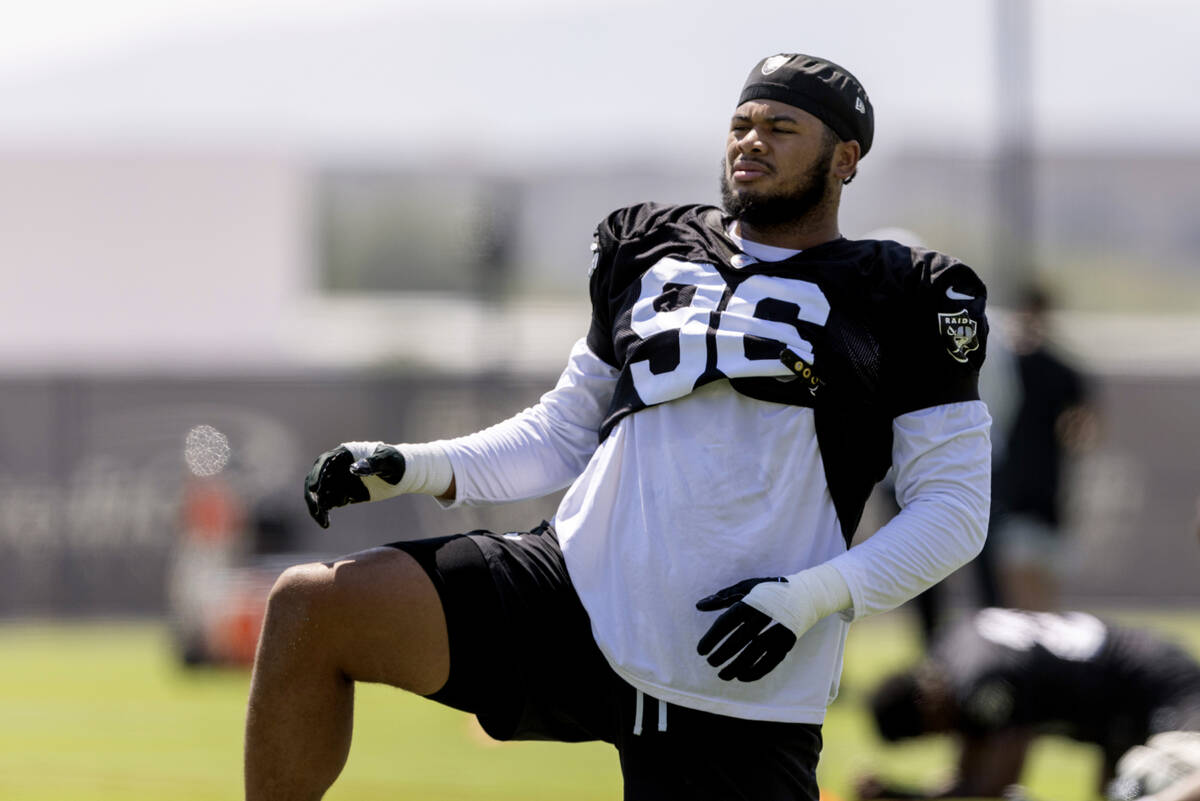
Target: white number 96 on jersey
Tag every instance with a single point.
(694, 328)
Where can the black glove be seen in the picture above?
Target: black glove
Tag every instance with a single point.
(334, 479)
(759, 643)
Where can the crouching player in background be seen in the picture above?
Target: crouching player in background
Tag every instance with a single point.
(1002, 677)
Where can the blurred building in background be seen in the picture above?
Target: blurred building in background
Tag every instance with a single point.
(292, 305)
(286, 300)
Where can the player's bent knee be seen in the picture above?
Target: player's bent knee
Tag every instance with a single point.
(375, 614)
(297, 594)
(315, 590)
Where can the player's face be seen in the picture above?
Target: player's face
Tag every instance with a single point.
(778, 163)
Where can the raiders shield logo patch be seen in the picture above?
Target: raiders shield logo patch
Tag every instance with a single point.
(961, 332)
(774, 62)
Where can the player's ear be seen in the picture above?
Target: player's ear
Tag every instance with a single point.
(845, 160)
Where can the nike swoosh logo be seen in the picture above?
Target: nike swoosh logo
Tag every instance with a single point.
(950, 293)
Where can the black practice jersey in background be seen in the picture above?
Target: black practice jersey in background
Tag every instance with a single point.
(860, 331)
(1069, 674)
(1028, 482)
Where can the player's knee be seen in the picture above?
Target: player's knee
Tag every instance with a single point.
(350, 588)
(299, 594)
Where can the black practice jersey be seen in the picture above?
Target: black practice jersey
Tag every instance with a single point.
(858, 330)
(1070, 674)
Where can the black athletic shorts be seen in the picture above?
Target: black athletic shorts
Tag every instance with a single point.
(523, 661)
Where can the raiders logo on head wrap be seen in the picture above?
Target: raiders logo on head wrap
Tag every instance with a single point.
(773, 63)
(962, 331)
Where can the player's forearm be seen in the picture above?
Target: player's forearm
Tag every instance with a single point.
(944, 478)
(516, 459)
(509, 461)
(944, 487)
(541, 449)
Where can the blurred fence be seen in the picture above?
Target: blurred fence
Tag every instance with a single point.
(94, 483)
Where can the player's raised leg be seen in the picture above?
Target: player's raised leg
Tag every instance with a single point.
(372, 616)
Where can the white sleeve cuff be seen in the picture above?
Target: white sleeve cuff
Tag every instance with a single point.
(427, 470)
(804, 599)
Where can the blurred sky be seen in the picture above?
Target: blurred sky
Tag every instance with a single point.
(545, 81)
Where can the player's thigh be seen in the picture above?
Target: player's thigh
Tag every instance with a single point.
(522, 657)
(375, 614)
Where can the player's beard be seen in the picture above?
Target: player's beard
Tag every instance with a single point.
(788, 205)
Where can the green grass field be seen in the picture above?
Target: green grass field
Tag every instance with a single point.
(100, 712)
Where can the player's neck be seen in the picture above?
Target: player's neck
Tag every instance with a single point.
(800, 234)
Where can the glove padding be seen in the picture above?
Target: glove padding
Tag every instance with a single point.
(758, 642)
(335, 478)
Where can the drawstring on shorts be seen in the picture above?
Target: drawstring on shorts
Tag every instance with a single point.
(639, 709)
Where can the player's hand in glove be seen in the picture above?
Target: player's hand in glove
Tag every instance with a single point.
(355, 472)
(764, 617)
(336, 477)
(754, 641)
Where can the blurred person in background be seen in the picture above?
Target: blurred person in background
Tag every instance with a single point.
(749, 375)
(1053, 421)
(1166, 767)
(1001, 677)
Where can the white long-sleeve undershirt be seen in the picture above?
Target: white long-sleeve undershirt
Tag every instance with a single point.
(943, 487)
(942, 479)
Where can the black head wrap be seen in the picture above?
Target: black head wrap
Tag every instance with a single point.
(820, 87)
